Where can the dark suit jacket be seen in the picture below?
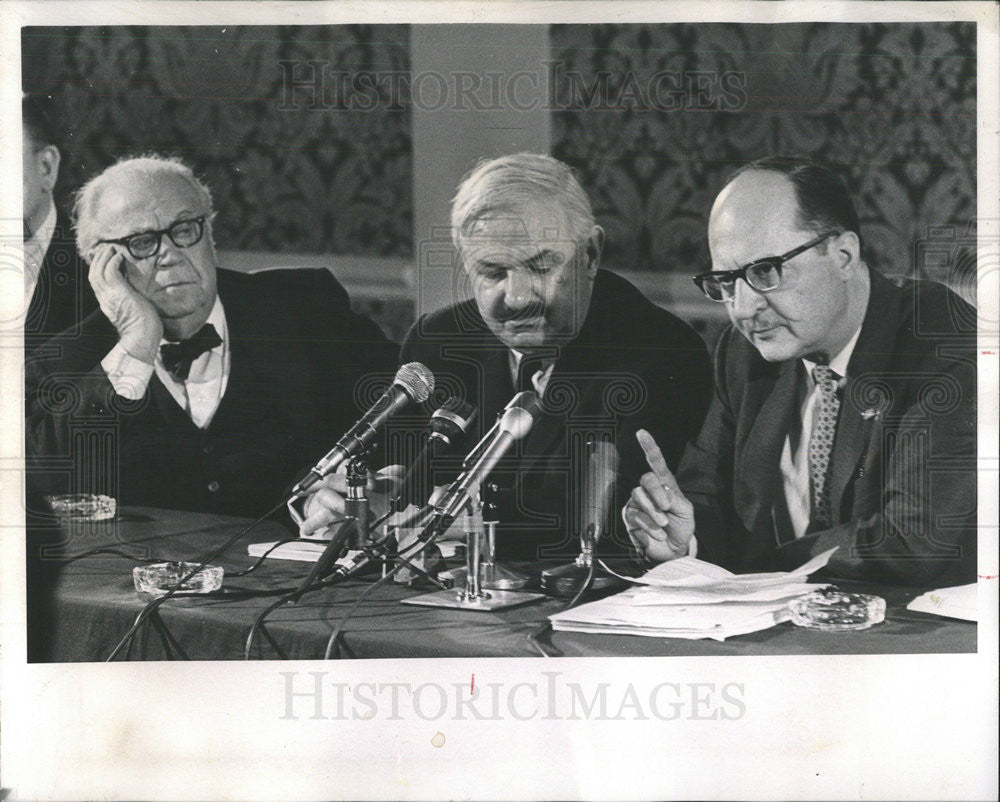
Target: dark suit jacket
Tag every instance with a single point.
(903, 465)
(63, 296)
(632, 365)
(300, 362)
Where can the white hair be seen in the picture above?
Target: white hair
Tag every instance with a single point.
(148, 167)
(502, 185)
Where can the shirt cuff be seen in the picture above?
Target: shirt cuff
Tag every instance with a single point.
(128, 375)
(296, 507)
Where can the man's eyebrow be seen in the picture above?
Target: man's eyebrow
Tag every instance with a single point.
(185, 214)
(541, 256)
(531, 261)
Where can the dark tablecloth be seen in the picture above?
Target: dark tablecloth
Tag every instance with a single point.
(93, 602)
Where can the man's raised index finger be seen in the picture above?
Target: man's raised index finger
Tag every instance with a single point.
(654, 458)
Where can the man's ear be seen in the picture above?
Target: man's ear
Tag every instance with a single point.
(48, 166)
(847, 249)
(595, 247)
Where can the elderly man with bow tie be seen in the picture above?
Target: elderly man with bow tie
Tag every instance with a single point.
(192, 387)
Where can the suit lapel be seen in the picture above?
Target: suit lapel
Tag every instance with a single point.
(872, 353)
(170, 411)
(772, 406)
(248, 391)
(497, 388)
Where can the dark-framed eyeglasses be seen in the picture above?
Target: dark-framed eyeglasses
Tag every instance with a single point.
(183, 233)
(763, 275)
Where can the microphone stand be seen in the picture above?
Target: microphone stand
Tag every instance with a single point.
(583, 573)
(353, 534)
(473, 595)
(568, 579)
(497, 576)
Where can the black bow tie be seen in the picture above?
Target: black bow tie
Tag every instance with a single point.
(178, 357)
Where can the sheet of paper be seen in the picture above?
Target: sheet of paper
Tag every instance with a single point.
(695, 573)
(961, 601)
(691, 598)
(652, 595)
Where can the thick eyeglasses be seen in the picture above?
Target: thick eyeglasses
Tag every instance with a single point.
(763, 275)
(183, 233)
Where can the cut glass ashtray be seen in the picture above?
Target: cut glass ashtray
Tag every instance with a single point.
(834, 610)
(158, 578)
(83, 506)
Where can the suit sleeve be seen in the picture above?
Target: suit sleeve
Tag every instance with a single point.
(413, 348)
(705, 474)
(355, 347)
(63, 401)
(921, 527)
(677, 383)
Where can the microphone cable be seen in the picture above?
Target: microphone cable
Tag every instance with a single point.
(373, 551)
(535, 637)
(156, 603)
(415, 548)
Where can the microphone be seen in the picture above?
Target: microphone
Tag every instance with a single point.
(602, 469)
(574, 578)
(527, 400)
(449, 421)
(514, 424)
(413, 382)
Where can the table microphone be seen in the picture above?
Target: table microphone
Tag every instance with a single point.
(528, 400)
(514, 424)
(595, 507)
(413, 383)
(450, 420)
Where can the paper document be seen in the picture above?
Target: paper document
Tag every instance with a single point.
(961, 601)
(690, 598)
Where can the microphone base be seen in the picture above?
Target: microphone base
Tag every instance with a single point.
(566, 580)
(496, 577)
(457, 600)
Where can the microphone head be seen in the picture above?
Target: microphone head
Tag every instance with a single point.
(516, 422)
(602, 456)
(528, 401)
(452, 418)
(416, 380)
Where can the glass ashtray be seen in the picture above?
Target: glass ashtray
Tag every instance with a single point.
(158, 578)
(83, 507)
(834, 610)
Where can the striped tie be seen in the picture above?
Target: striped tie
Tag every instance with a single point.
(821, 444)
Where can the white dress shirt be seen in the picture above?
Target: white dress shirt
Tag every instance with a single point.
(795, 453)
(200, 395)
(34, 252)
(539, 379)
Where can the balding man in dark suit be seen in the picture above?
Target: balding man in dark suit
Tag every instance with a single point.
(844, 410)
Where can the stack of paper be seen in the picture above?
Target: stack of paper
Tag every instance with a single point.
(690, 598)
(957, 602)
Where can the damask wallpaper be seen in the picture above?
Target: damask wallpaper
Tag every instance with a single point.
(291, 169)
(654, 117)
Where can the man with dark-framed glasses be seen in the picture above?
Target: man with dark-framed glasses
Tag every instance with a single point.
(844, 408)
(192, 387)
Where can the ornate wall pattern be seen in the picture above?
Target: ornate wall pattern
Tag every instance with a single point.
(331, 180)
(893, 105)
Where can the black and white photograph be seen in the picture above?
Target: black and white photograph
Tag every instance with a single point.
(442, 400)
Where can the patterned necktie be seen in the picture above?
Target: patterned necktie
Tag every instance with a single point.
(821, 444)
(177, 358)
